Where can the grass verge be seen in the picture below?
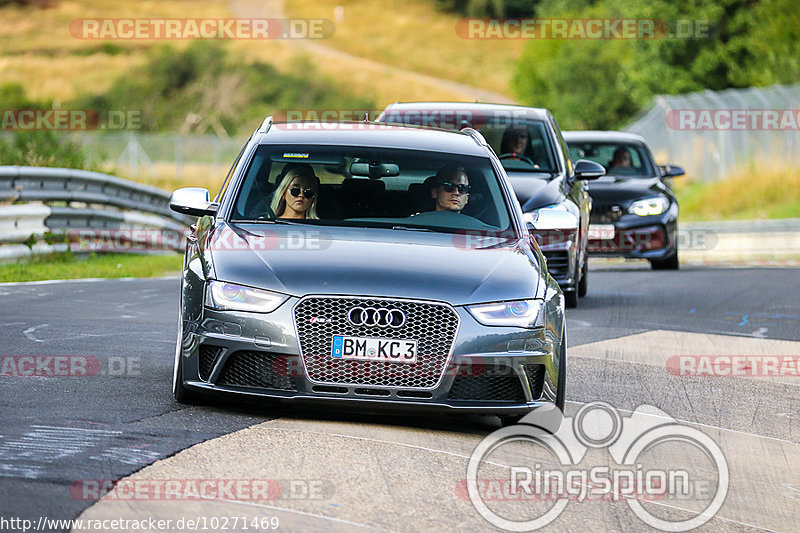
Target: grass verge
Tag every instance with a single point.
(759, 192)
(73, 266)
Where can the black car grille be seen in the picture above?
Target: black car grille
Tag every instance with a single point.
(208, 358)
(495, 383)
(557, 263)
(432, 325)
(535, 374)
(605, 213)
(258, 369)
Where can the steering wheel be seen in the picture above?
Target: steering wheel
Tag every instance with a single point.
(517, 156)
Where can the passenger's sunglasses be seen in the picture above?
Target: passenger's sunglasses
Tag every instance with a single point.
(450, 187)
(308, 193)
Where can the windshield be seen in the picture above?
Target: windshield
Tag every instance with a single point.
(369, 187)
(619, 159)
(521, 146)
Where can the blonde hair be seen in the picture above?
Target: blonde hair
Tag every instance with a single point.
(289, 172)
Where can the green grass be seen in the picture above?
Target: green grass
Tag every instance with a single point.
(759, 192)
(74, 266)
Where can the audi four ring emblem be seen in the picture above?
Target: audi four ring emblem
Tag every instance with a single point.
(376, 316)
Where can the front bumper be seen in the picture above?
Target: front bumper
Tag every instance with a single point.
(653, 237)
(490, 370)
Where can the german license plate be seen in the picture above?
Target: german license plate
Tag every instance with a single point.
(601, 231)
(374, 349)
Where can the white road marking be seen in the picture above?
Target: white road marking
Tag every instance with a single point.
(29, 332)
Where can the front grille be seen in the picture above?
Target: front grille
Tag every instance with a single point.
(605, 213)
(557, 263)
(432, 325)
(495, 383)
(535, 374)
(258, 369)
(208, 357)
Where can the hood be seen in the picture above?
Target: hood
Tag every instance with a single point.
(535, 190)
(624, 189)
(299, 260)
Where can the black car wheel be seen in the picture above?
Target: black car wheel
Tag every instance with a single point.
(670, 263)
(583, 285)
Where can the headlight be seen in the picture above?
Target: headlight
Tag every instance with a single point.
(231, 297)
(519, 313)
(649, 206)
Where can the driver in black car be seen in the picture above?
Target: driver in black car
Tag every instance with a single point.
(450, 189)
(516, 143)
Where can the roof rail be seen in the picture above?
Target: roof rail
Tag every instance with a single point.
(265, 125)
(476, 136)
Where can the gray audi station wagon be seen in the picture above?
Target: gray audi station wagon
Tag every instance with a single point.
(369, 264)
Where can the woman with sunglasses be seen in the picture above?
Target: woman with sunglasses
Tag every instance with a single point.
(296, 196)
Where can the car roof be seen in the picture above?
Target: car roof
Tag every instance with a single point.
(528, 112)
(370, 134)
(603, 136)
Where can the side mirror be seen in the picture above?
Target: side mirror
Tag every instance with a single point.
(671, 171)
(588, 170)
(193, 201)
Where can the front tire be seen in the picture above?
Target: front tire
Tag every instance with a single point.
(571, 298)
(670, 263)
(179, 391)
(583, 284)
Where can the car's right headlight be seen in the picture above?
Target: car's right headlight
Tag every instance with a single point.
(519, 313)
(232, 297)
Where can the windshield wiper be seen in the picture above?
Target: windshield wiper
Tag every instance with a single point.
(411, 228)
(264, 220)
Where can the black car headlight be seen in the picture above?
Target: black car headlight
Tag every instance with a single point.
(649, 206)
(225, 296)
(519, 313)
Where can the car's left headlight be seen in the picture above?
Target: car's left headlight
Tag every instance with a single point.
(519, 313)
(232, 297)
(649, 206)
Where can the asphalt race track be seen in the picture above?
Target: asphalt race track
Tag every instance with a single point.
(344, 471)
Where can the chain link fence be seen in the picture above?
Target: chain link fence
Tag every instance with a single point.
(714, 134)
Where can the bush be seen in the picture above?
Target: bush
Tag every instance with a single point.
(603, 83)
(201, 89)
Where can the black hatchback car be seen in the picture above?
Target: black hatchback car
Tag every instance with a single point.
(550, 186)
(368, 264)
(634, 211)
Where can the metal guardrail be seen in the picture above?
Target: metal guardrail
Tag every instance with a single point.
(106, 203)
(44, 184)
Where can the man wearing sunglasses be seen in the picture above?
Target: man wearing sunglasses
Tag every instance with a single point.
(451, 188)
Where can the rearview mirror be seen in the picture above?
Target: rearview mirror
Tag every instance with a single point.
(588, 170)
(375, 170)
(193, 201)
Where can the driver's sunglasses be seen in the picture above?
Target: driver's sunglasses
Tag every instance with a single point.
(450, 187)
(308, 193)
